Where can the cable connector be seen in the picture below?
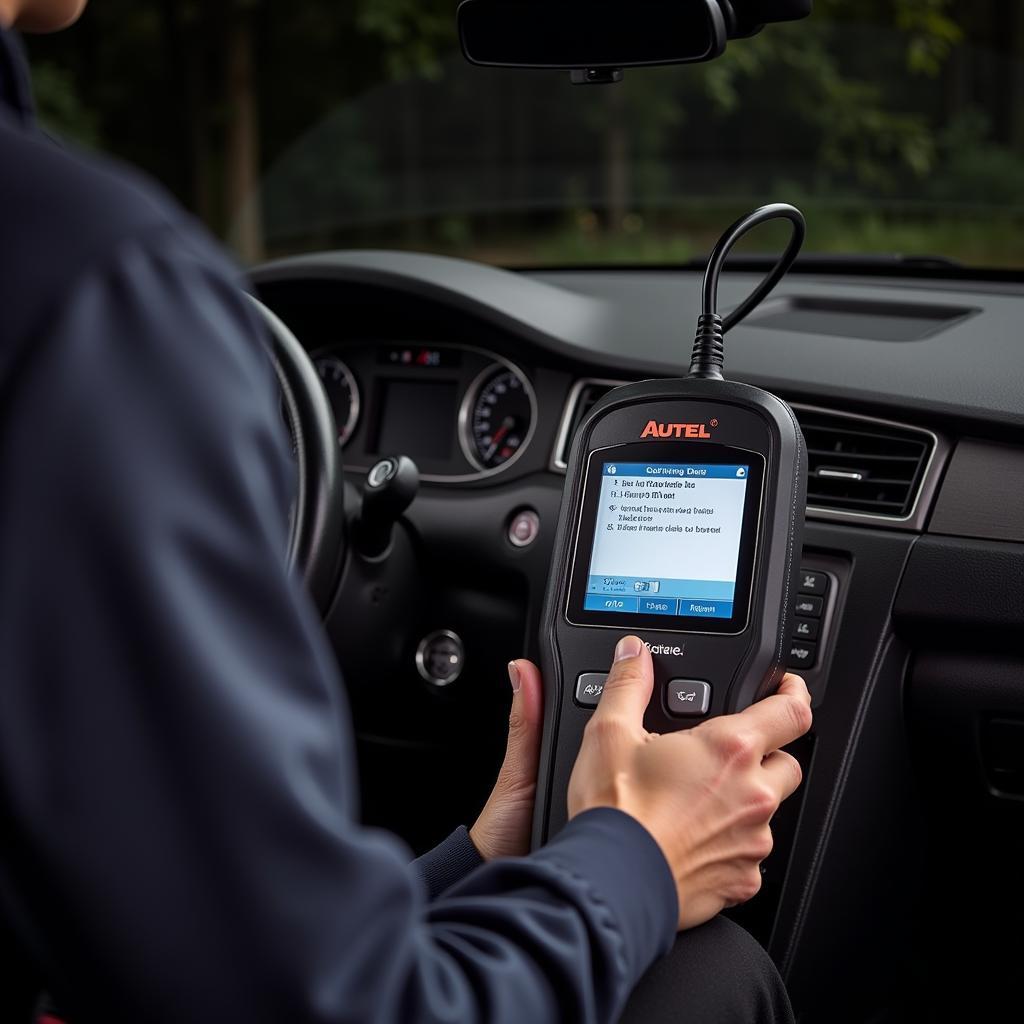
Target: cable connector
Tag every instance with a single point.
(708, 348)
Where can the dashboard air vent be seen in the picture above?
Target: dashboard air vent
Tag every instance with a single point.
(861, 466)
(583, 397)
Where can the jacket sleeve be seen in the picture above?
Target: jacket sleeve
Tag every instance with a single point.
(448, 862)
(175, 756)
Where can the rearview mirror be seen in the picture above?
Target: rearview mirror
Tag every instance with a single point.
(596, 38)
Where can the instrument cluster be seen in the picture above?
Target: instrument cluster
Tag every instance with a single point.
(461, 413)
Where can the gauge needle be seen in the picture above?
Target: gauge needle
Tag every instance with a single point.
(507, 424)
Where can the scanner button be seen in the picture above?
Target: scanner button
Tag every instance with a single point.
(802, 655)
(811, 606)
(589, 688)
(812, 582)
(806, 629)
(688, 698)
(610, 603)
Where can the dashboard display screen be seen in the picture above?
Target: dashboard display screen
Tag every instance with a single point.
(416, 418)
(668, 544)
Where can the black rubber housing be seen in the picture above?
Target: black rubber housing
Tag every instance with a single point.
(741, 668)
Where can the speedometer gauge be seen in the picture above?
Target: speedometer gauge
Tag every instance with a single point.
(342, 392)
(498, 417)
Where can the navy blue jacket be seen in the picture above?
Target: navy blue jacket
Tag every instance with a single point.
(177, 783)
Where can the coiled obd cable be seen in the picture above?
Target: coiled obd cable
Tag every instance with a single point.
(709, 346)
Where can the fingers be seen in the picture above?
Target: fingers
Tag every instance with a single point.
(524, 724)
(793, 686)
(783, 772)
(780, 719)
(627, 691)
(527, 693)
(503, 828)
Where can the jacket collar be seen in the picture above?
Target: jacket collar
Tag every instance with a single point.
(15, 84)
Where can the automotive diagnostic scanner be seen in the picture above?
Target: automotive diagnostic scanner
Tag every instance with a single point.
(681, 522)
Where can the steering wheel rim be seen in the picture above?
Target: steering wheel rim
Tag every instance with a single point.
(317, 540)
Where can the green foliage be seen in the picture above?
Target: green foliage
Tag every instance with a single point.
(974, 238)
(899, 124)
(974, 170)
(863, 127)
(414, 33)
(60, 108)
(931, 33)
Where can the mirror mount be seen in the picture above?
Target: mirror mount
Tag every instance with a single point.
(738, 24)
(596, 76)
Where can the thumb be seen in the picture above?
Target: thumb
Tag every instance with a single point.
(519, 769)
(627, 691)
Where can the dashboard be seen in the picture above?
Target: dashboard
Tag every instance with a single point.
(910, 393)
(462, 413)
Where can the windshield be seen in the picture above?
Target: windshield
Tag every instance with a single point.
(288, 128)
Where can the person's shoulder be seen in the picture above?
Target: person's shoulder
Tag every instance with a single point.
(64, 212)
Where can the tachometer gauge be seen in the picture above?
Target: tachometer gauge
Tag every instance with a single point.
(342, 391)
(498, 417)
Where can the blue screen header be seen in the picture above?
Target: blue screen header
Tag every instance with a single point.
(692, 471)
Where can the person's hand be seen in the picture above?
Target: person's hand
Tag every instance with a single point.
(706, 794)
(503, 828)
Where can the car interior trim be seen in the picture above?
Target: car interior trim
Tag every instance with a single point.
(885, 642)
(981, 493)
(562, 436)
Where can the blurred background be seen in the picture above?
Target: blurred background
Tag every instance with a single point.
(898, 125)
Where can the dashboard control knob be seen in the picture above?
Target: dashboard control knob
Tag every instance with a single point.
(390, 488)
(440, 657)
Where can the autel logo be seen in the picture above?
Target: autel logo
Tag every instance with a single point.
(677, 652)
(691, 430)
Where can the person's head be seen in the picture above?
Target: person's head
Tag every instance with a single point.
(40, 15)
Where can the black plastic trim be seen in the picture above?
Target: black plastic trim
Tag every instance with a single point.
(957, 592)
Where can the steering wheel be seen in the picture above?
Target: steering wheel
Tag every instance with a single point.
(317, 541)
